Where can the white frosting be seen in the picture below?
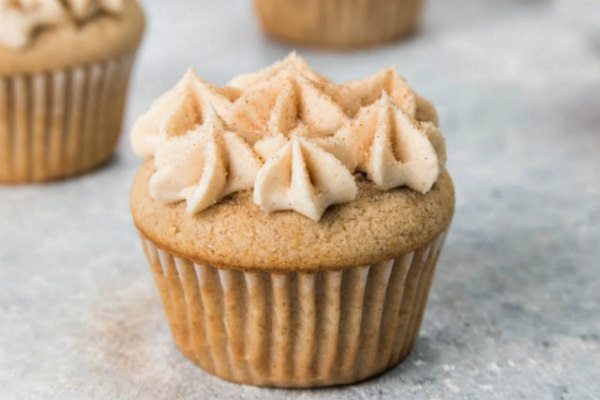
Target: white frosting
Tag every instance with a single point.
(289, 134)
(357, 94)
(203, 165)
(287, 102)
(18, 19)
(391, 148)
(21, 18)
(181, 109)
(303, 177)
(292, 61)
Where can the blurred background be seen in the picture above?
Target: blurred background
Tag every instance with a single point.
(515, 307)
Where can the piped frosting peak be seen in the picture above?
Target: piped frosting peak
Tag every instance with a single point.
(287, 133)
(391, 148)
(203, 165)
(289, 102)
(291, 62)
(22, 18)
(303, 177)
(357, 94)
(178, 111)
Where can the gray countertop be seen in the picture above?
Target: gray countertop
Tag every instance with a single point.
(515, 307)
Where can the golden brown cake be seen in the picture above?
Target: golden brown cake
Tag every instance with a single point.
(292, 224)
(339, 23)
(64, 73)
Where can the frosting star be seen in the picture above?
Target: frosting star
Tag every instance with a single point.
(203, 165)
(288, 102)
(179, 110)
(391, 148)
(303, 177)
(21, 17)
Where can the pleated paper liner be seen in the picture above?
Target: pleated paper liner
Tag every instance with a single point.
(61, 123)
(339, 23)
(295, 329)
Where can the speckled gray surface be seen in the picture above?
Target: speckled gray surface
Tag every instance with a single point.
(515, 307)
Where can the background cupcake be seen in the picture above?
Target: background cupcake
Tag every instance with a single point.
(292, 224)
(339, 23)
(64, 73)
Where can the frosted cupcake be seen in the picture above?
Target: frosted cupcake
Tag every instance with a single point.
(64, 72)
(292, 224)
(339, 23)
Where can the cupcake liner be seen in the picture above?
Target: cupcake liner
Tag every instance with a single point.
(339, 22)
(295, 329)
(59, 123)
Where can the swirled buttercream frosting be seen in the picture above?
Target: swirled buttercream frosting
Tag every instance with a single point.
(293, 137)
(22, 18)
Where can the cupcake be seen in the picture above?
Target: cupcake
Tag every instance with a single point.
(292, 225)
(64, 72)
(339, 23)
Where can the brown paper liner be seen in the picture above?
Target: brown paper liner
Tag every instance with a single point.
(296, 329)
(339, 23)
(61, 123)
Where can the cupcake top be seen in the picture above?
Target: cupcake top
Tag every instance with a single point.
(286, 170)
(22, 18)
(290, 135)
(38, 35)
